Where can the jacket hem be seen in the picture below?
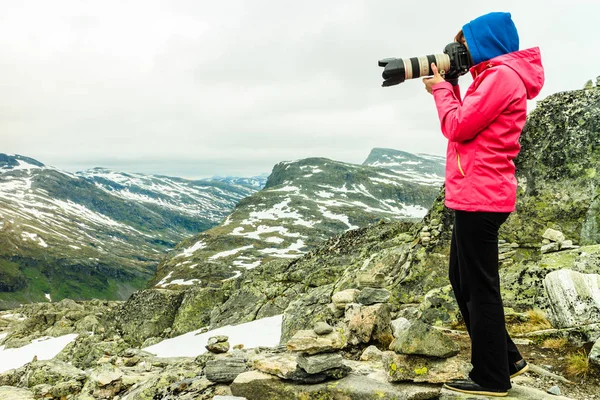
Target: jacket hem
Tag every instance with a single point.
(479, 207)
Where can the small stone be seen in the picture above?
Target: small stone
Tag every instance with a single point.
(224, 370)
(554, 235)
(425, 229)
(319, 362)
(555, 390)
(341, 299)
(501, 241)
(425, 234)
(369, 296)
(311, 343)
(322, 328)
(550, 247)
(218, 348)
(217, 339)
(238, 346)
(399, 325)
(567, 245)
(370, 280)
(545, 241)
(371, 353)
(434, 222)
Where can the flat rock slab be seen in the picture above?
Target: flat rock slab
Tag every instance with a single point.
(517, 392)
(256, 385)
(13, 393)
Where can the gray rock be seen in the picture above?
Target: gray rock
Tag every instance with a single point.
(554, 235)
(224, 370)
(218, 347)
(371, 353)
(555, 390)
(574, 298)
(217, 339)
(550, 247)
(401, 368)
(371, 280)
(257, 385)
(309, 342)
(322, 328)
(370, 324)
(341, 299)
(567, 245)
(319, 362)
(594, 355)
(399, 325)
(51, 372)
(421, 339)
(147, 313)
(518, 392)
(369, 296)
(13, 393)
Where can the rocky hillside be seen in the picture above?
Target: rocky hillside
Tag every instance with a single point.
(97, 233)
(368, 314)
(303, 204)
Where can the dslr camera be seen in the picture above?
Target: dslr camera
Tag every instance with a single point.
(454, 62)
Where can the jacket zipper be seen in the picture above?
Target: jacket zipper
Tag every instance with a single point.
(458, 162)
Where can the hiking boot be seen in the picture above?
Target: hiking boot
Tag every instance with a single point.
(518, 368)
(470, 387)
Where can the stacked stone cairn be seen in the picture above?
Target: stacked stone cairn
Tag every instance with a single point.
(225, 367)
(317, 354)
(506, 251)
(554, 240)
(430, 232)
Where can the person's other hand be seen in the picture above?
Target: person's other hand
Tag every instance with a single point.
(430, 81)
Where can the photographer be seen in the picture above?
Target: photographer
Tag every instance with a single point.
(483, 133)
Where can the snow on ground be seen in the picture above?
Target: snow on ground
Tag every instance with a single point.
(339, 217)
(262, 332)
(230, 252)
(283, 253)
(240, 263)
(47, 295)
(285, 189)
(44, 348)
(183, 282)
(274, 239)
(191, 250)
(164, 280)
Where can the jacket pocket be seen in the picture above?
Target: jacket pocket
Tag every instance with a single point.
(460, 169)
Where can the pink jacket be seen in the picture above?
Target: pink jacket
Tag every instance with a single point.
(483, 130)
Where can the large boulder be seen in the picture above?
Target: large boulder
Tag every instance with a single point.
(147, 313)
(256, 385)
(574, 298)
(421, 339)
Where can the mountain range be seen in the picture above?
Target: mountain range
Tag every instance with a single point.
(303, 204)
(97, 233)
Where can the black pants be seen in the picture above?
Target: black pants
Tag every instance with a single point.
(476, 284)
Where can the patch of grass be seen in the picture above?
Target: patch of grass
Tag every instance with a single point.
(555, 343)
(578, 364)
(536, 321)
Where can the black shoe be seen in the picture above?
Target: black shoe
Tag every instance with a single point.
(470, 387)
(518, 368)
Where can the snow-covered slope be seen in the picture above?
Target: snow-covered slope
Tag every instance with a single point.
(304, 203)
(424, 169)
(97, 233)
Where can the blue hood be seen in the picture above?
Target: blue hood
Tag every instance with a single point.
(491, 35)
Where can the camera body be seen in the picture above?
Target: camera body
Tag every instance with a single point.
(454, 62)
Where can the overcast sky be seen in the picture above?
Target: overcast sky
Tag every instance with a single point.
(199, 88)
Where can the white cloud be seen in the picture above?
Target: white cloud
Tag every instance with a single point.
(201, 88)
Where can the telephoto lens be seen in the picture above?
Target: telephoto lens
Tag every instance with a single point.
(397, 70)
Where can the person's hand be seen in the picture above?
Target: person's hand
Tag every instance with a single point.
(430, 81)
